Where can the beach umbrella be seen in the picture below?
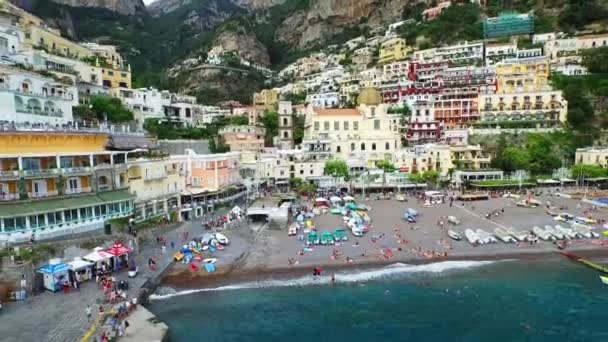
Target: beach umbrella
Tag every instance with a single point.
(320, 199)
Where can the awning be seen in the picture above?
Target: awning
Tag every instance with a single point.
(118, 249)
(51, 205)
(53, 268)
(97, 255)
(78, 264)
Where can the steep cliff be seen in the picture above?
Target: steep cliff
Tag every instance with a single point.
(121, 7)
(246, 44)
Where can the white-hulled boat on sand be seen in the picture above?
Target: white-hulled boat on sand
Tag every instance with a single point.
(517, 234)
(454, 236)
(557, 234)
(485, 236)
(503, 236)
(571, 234)
(471, 237)
(543, 235)
(582, 230)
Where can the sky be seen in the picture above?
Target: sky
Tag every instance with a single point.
(147, 2)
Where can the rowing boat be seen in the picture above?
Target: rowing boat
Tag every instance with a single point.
(604, 279)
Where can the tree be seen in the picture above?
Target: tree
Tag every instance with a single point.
(239, 120)
(385, 166)
(336, 168)
(295, 98)
(307, 188)
(430, 176)
(295, 182)
(104, 107)
(588, 171)
(515, 158)
(270, 120)
(298, 129)
(218, 145)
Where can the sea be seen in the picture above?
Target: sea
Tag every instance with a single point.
(443, 301)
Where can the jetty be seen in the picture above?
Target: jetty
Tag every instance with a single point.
(584, 261)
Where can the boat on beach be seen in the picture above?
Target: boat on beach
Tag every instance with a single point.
(543, 235)
(471, 237)
(569, 233)
(517, 234)
(604, 279)
(453, 235)
(557, 234)
(503, 236)
(485, 236)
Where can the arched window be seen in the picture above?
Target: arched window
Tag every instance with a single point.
(373, 146)
(362, 146)
(352, 146)
(387, 146)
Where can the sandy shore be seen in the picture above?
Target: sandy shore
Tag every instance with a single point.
(266, 257)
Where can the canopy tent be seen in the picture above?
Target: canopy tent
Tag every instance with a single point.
(80, 269)
(98, 255)
(327, 238)
(312, 237)
(339, 234)
(118, 249)
(352, 206)
(54, 274)
(79, 264)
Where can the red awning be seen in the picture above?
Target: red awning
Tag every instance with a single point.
(118, 249)
(404, 169)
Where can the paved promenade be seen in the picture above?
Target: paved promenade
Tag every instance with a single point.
(58, 317)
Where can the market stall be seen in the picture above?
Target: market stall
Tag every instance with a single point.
(54, 275)
(120, 256)
(100, 259)
(80, 270)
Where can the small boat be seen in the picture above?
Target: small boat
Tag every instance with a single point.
(582, 230)
(453, 220)
(471, 236)
(503, 236)
(558, 234)
(455, 236)
(604, 279)
(210, 260)
(543, 235)
(485, 236)
(567, 232)
(517, 234)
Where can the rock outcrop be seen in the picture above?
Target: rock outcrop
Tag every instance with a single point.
(243, 43)
(123, 7)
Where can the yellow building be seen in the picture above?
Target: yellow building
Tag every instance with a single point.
(53, 42)
(592, 155)
(392, 50)
(266, 98)
(116, 77)
(523, 75)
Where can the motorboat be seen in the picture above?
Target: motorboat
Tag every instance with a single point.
(453, 220)
(571, 234)
(472, 237)
(556, 233)
(585, 220)
(503, 236)
(582, 230)
(485, 236)
(604, 279)
(455, 236)
(400, 198)
(543, 235)
(517, 234)
(221, 238)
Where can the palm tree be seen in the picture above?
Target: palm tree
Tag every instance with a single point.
(385, 166)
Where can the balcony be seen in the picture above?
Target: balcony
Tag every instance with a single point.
(104, 166)
(77, 171)
(153, 177)
(83, 190)
(49, 193)
(8, 197)
(9, 175)
(41, 173)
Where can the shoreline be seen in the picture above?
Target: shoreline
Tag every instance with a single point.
(187, 280)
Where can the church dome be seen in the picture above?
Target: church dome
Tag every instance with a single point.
(370, 97)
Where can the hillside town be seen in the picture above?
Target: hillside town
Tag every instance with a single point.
(400, 118)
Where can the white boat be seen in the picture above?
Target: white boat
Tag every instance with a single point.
(503, 236)
(471, 236)
(453, 220)
(485, 236)
(582, 231)
(604, 279)
(569, 233)
(455, 236)
(542, 234)
(517, 234)
(557, 234)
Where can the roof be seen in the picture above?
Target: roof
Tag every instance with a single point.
(49, 205)
(79, 263)
(130, 142)
(53, 268)
(97, 255)
(337, 111)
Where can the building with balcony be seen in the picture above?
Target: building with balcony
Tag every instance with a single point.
(358, 133)
(392, 50)
(181, 109)
(108, 52)
(59, 183)
(396, 71)
(462, 53)
(457, 107)
(523, 75)
(243, 138)
(432, 12)
(422, 127)
(422, 158)
(495, 53)
(115, 76)
(532, 110)
(483, 79)
(398, 92)
(30, 97)
(557, 47)
(157, 184)
(266, 98)
(508, 24)
(426, 71)
(362, 58)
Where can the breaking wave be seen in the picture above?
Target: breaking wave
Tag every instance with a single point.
(341, 277)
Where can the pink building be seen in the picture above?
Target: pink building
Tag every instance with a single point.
(433, 12)
(213, 172)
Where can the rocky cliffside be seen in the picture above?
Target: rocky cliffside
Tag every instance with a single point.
(122, 7)
(242, 42)
(325, 18)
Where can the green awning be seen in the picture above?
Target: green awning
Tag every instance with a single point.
(25, 208)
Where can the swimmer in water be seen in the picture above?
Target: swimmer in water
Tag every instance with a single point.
(333, 278)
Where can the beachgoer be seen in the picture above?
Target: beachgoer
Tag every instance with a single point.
(333, 278)
(88, 312)
(126, 326)
(163, 249)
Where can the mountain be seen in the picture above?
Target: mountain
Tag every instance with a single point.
(121, 7)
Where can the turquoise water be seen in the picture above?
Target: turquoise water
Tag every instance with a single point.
(453, 301)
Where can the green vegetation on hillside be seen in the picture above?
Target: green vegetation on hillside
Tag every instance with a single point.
(104, 107)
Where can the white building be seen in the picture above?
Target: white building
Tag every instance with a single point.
(30, 97)
(395, 71)
(181, 108)
(495, 53)
(462, 53)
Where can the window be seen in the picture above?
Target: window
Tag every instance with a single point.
(123, 75)
(285, 122)
(336, 125)
(326, 125)
(376, 124)
(356, 125)
(338, 149)
(73, 183)
(352, 146)
(110, 72)
(346, 126)
(387, 146)
(97, 211)
(362, 146)
(373, 146)
(50, 218)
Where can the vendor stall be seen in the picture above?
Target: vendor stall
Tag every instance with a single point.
(54, 275)
(80, 270)
(100, 260)
(120, 256)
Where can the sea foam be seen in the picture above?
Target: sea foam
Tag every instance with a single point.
(353, 276)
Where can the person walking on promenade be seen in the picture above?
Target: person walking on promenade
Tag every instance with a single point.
(163, 249)
(88, 312)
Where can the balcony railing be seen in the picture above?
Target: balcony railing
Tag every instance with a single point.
(8, 197)
(49, 193)
(77, 171)
(40, 173)
(153, 177)
(78, 190)
(9, 175)
(103, 166)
